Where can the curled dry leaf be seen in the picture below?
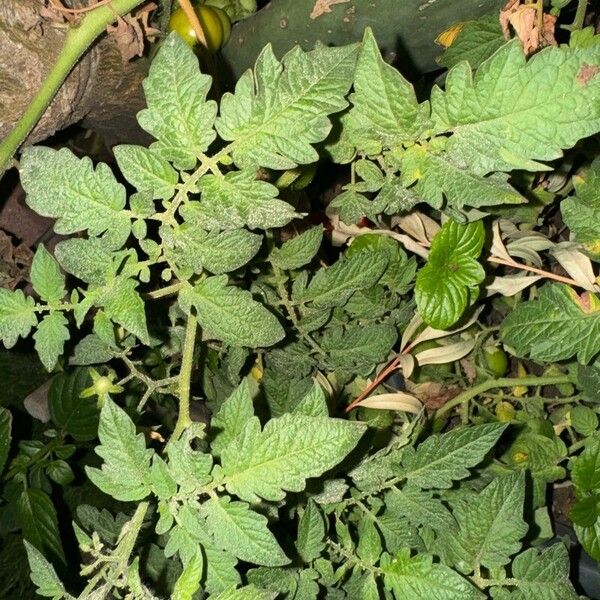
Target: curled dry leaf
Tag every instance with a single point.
(445, 354)
(577, 265)
(324, 6)
(533, 29)
(131, 32)
(396, 401)
(509, 285)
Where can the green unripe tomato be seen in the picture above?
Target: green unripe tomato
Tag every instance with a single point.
(505, 412)
(496, 360)
(212, 22)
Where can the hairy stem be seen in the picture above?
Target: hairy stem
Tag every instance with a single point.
(77, 41)
(185, 376)
(484, 386)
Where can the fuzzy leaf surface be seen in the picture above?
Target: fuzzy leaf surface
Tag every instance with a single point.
(231, 315)
(298, 251)
(559, 325)
(442, 459)
(17, 316)
(289, 450)
(178, 114)
(61, 186)
(125, 472)
(280, 110)
(515, 111)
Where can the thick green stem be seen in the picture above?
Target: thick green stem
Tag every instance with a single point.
(498, 383)
(77, 41)
(185, 377)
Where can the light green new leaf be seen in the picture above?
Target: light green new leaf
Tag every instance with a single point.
(289, 450)
(67, 188)
(5, 435)
(39, 522)
(311, 533)
(50, 338)
(231, 419)
(239, 530)
(238, 200)
(476, 42)
(314, 404)
(420, 577)
(217, 252)
(448, 284)
(189, 580)
(189, 467)
(589, 538)
(46, 278)
(442, 459)
(543, 575)
(125, 472)
(491, 525)
(514, 110)
(298, 251)
(277, 113)
(43, 574)
(230, 314)
(558, 326)
(123, 305)
(162, 482)
(17, 316)
(178, 114)
(440, 176)
(332, 286)
(581, 212)
(146, 170)
(248, 592)
(385, 111)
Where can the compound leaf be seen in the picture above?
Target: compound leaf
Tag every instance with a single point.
(17, 316)
(50, 337)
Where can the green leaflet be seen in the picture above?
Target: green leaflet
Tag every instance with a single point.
(217, 252)
(231, 419)
(441, 175)
(50, 338)
(581, 212)
(557, 326)
(46, 278)
(476, 42)
(448, 284)
(17, 316)
(238, 200)
(499, 116)
(43, 574)
(420, 577)
(178, 114)
(280, 110)
(298, 251)
(39, 522)
(442, 459)
(332, 286)
(189, 580)
(125, 472)
(289, 450)
(385, 111)
(585, 468)
(89, 260)
(311, 533)
(146, 170)
(491, 525)
(542, 575)
(241, 531)
(81, 198)
(230, 314)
